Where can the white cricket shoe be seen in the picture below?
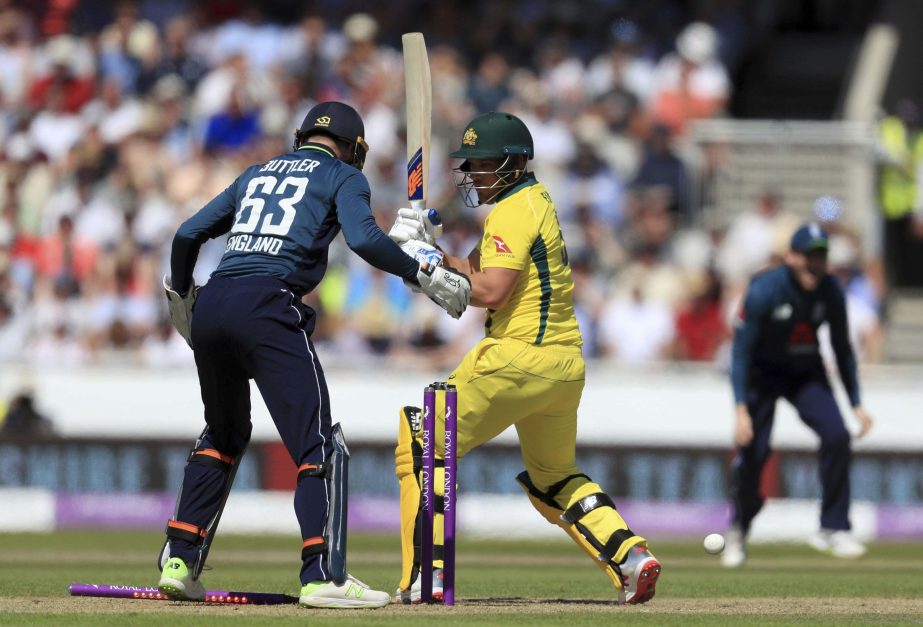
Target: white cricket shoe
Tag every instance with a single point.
(838, 543)
(177, 583)
(413, 595)
(640, 572)
(735, 548)
(351, 594)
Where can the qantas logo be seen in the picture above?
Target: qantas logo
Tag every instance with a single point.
(501, 245)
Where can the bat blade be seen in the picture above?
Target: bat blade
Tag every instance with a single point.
(419, 103)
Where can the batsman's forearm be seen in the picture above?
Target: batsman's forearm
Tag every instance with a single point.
(459, 263)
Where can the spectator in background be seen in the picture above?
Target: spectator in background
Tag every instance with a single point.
(589, 182)
(62, 90)
(65, 254)
(116, 117)
(489, 86)
(22, 418)
(623, 67)
(634, 329)
(123, 44)
(660, 166)
(55, 130)
(700, 328)
(900, 148)
(175, 58)
(14, 327)
(377, 302)
(234, 128)
(691, 84)
(861, 305)
(756, 239)
(16, 57)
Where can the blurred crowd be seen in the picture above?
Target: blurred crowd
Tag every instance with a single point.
(120, 120)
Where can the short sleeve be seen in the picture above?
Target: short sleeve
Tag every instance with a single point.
(508, 239)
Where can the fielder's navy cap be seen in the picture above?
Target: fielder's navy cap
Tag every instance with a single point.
(336, 119)
(810, 237)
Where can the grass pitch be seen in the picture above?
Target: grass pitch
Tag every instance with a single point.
(498, 583)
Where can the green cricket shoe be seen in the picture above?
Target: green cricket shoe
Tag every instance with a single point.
(177, 583)
(352, 594)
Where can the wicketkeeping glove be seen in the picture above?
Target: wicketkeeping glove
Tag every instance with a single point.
(181, 309)
(447, 288)
(412, 224)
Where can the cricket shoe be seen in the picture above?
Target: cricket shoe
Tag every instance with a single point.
(351, 594)
(177, 583)
(414, 594)
(838, 543)
(734, 554)
(640, 572)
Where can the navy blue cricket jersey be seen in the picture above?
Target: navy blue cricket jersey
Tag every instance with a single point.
(282, 216)
(777, 333)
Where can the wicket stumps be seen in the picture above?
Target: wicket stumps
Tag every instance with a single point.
(449, 506)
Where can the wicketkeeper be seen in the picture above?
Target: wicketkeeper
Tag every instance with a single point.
(528, 371)
(249, 322)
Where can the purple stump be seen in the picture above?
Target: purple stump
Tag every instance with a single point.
(450, 502)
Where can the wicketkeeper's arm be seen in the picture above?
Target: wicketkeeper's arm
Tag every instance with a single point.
(212, 220)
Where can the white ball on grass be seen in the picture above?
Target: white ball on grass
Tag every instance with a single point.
(714, 543)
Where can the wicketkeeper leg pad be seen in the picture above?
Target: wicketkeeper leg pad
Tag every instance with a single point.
(336, 473)
(209, 472)
(588, 516)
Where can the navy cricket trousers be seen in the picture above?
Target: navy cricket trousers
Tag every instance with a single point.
(256, 328)
(815, 403)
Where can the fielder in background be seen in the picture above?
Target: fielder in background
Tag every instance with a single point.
(528, 371)
(249, 322)
(776, 355)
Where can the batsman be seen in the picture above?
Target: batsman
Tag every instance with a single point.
(528, 371)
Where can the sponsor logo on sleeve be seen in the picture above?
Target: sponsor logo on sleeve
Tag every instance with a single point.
(501, 246)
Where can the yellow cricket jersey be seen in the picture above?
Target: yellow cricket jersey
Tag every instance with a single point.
(522, 233)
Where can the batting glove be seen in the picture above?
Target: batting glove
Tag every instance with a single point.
(412, 224)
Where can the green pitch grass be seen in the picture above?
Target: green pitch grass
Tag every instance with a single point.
(499, 583)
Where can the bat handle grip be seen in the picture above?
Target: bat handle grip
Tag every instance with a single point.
(429, 217)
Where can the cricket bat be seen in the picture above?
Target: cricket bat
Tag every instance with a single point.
(419, 102)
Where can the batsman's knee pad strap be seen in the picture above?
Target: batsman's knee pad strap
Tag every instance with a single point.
(178, 530)
(586, 505)
(211, 457)
(548, 497)
(313, 470)
(313, 546)
(617, 539)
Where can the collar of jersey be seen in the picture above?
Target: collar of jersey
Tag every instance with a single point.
(526, 180)
(319, 148)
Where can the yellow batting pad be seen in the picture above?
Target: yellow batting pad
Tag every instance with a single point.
(602, 522)
(410, 494)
